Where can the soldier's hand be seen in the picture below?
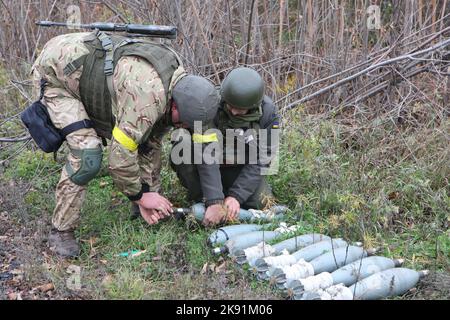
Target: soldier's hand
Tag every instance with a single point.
(233, 207)
(153, 200)
(214, 214)
(151, 216)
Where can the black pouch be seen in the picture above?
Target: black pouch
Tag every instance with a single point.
(41, 128)
(37, 119)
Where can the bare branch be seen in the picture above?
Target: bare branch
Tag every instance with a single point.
(15, 139)
(365, 71)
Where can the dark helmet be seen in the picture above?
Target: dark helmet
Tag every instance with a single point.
(243, 88)
(197, 99)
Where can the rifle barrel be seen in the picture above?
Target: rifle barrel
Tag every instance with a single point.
(143, 30)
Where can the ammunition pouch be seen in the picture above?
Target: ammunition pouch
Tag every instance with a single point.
(38, 122)
(44, 133)
(91, 162)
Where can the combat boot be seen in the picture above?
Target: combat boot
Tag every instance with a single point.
(63, 243)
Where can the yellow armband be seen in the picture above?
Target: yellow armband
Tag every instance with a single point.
(200, 138)
(124, 140)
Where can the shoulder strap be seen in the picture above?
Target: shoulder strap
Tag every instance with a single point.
(107, 45)
(74, 65)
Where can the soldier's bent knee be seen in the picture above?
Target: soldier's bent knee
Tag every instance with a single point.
(91, 163)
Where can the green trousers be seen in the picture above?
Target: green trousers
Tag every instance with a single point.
(189, 178)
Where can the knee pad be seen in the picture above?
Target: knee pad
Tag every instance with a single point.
(91, 163)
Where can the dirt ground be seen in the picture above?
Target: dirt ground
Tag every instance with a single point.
(27, 266)
(28, 269)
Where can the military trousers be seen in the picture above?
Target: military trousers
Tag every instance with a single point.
(189, 179)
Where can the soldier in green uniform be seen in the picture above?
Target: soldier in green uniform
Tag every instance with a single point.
(97, 86)
(243, 106)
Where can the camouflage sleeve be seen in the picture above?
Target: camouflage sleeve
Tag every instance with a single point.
(141, 103)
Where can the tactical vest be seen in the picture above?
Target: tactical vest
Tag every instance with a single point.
(96, 88)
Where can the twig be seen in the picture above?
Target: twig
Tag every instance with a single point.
(249, 30)
(39, 31)
(20, 90)
(27, 137)
(205, 39)
(115, 11)
(364, 71)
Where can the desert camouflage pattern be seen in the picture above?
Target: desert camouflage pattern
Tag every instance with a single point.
(141, 102)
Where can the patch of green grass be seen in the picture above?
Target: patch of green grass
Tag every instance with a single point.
(353, 188)
(29, 164)
(126, 284)
(338, 184)
(197, 251)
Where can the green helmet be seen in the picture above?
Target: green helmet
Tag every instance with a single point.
(243, 88)
(197, 99)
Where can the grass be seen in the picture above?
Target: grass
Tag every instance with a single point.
(398, 201)
(387, 187)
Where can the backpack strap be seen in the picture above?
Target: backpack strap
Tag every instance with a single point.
(74, 65)
(108, 69)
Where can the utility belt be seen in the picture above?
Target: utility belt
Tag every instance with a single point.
(37, 120)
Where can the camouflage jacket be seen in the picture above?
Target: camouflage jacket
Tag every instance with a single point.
(141, 106)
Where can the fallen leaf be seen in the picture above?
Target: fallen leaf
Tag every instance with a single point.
(45, 287)
(91, 240)
(393, 195)
(204, 268)
(12, 296)
(221, 267)
(107, 280)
